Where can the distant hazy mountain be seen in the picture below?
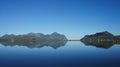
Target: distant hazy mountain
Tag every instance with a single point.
(55, 36)
(32, 38)
(36, 35)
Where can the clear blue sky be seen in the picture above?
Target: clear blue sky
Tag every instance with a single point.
(74, 18)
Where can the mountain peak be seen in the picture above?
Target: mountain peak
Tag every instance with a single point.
(55, 33)
(105, 33)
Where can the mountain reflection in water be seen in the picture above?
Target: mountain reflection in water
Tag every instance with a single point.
(57, 44)
(53, 44)
(101, 44)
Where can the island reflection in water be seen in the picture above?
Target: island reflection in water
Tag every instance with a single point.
(57, 44)
(53, 44)
(101, 44)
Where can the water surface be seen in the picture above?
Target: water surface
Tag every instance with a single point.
(70, 54)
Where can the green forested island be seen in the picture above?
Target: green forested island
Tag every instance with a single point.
(102, 39)
(101, 36)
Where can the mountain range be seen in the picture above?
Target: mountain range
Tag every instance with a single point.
(32, 38)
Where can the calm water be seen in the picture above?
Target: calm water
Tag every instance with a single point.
(72, 54)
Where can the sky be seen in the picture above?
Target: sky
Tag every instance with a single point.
(73, 18)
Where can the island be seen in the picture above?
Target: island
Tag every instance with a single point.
(32, 40)
(102, 39)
